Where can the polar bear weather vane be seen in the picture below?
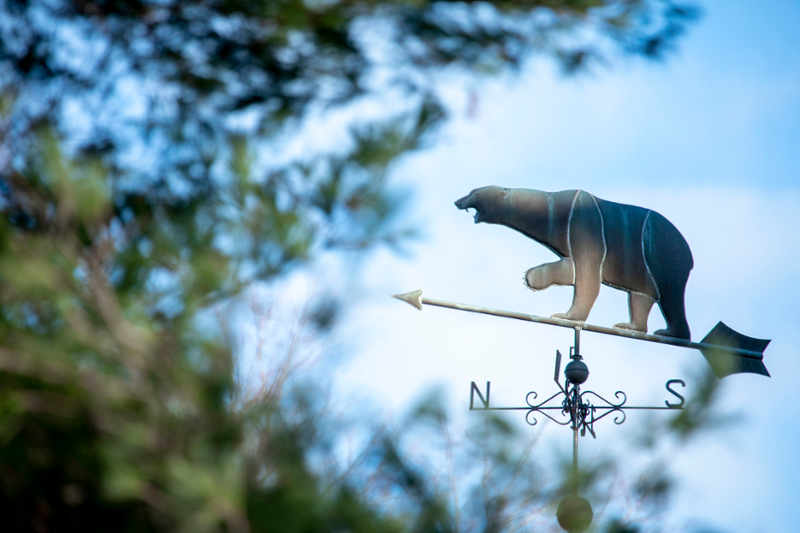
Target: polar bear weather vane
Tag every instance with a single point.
(626, 247)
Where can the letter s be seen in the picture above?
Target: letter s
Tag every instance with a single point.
(683, 400)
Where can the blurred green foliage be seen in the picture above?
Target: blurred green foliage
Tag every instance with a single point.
(134, 201)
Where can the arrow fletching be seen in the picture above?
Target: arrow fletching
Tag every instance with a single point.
(723, 362)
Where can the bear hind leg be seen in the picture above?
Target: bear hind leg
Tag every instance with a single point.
(669, 261)
(672, 307)
(639, 306)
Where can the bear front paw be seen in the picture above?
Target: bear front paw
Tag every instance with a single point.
(530, 280)
(527, 281)
(628, 326)
(567, 316)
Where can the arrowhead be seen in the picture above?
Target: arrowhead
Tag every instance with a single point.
(413, 298)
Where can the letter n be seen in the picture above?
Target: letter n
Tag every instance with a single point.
(473, 390)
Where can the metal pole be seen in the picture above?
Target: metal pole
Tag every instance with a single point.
(576, 356)
(574, 399)
(574, 402)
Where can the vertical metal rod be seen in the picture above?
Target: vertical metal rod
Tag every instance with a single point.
(574, 413)
(575, 460)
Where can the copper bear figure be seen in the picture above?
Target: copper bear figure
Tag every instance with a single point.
(626, 247)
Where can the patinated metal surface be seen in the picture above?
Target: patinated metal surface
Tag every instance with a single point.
(599, 242)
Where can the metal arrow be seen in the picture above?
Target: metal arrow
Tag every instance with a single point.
(727, 351)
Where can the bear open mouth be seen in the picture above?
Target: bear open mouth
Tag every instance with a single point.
(466, 203)
(478, 214)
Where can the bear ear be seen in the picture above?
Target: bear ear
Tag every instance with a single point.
(506, 193)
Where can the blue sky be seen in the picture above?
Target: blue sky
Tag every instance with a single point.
(710, 138)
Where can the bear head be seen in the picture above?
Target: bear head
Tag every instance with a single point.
(490, 204)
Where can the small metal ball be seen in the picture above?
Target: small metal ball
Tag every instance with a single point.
(577, 372)
(574, 514)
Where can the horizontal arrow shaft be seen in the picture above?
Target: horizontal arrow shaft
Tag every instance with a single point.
(417, 300)
(561, 408)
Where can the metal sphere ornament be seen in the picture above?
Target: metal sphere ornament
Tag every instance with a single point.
(576, 372)
(574, 514)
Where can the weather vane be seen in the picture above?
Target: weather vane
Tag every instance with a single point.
(599, 242)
